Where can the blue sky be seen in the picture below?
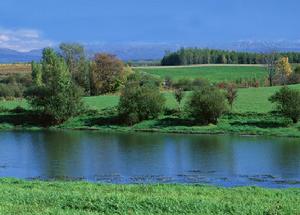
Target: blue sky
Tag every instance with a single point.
(31, 24)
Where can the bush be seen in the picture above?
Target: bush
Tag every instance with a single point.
(206, 104)
(168, 83)
(288, 103)
(140, 99)
(188, 85)
(294, 78)
(9, 91)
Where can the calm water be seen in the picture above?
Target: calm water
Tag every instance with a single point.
(150, 158)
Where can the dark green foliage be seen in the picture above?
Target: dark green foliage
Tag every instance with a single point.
(187, 56)
(297, 70)
(140, 99)
(288, 102)
(168, 84)
(10, 91)
(56, 97)
(206, 104)
(188, 84)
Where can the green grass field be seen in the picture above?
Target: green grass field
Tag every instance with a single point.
(35, 197)
(211, 73)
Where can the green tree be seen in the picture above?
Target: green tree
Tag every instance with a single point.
(206, 104)
(36, 73)
(56, 97)
(288, 103)
(140, 99)
(79, 67)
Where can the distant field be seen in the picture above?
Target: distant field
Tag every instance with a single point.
(212, 73)
(6, 69)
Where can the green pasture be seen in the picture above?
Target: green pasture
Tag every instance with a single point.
(211, 73)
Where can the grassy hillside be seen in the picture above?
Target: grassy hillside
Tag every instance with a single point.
(21, 197)
(211, 73)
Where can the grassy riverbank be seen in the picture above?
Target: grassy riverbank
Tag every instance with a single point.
(251, 116)
(23, 197)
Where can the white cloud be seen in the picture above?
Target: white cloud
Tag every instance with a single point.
(23, 40)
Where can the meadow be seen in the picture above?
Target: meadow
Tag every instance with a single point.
(213, 73)
(36, 197)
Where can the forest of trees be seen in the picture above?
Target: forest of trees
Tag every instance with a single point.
(188, 56)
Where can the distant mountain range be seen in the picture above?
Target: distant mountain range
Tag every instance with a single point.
(147, 51)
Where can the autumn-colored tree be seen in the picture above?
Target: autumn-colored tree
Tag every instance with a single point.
(108, 74)
(283, 70)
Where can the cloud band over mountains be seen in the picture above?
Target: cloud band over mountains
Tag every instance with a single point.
(23, 40)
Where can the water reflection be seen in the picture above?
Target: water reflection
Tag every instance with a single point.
(130, 158)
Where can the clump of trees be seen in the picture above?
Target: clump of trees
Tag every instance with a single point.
(287, 103)
(206, 104)
(53, 93)
(187, 56)
(108, 74)
(140, 99)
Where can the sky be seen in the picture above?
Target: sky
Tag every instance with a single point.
(34, 24)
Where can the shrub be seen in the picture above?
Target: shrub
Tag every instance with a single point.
(288, 102)
(294, 78)
(168, 83)
(188, 85)
(8, 91)
(297, 70)
(185, 84)
(140, 99)
(199, 82)
(206, 104)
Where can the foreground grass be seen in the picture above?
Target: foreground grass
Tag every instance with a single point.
(23, 197)
(211, 73)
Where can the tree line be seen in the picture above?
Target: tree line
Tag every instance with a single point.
(189, 56)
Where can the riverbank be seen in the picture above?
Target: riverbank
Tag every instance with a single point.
(257, 124)
(251, 115)
(36, 197)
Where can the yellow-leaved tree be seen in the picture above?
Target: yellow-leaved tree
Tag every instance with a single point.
(283, 69)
